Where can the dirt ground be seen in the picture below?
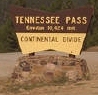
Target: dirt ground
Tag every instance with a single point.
(90, 87)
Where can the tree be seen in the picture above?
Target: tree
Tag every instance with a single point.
(57, 5)
(94, 3)
(67, 4)
(8, 40)
(19, 2)
(92, 36)
(11, 38)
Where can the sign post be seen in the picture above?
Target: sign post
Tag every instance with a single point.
(62, 31)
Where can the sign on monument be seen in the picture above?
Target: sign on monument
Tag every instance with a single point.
(62, 31)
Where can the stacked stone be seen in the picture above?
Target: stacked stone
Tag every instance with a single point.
(40, 68)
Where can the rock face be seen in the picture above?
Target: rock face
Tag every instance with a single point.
(40, 68)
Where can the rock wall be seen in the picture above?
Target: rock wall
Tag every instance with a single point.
(40, 68)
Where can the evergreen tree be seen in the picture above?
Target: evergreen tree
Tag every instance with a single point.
(67, 4)
(11, 38)
(19, 2)
(61, 4)
(92, 36)
(56, 5)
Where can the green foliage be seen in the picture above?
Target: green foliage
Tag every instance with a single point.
(60, 5)
(20, 2)
(11, 37)
(3, 37)
(56, 5)
(91, 40)
(68, 4)
(92, 37)
(8, 40)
